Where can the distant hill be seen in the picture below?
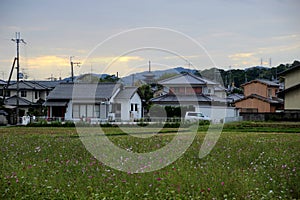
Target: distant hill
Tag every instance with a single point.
(127, 80)
(228, 77)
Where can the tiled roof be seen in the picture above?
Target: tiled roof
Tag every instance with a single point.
(49, 84)
(126, 93)
(273, 100)
(186, 78)
(22, 102)
(2, 82)
(27, 85)
(266, 82)
(88, 91)
(187, 98)
(235, 97)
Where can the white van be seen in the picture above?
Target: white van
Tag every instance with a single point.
(196, 116)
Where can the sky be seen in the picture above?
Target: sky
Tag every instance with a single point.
(122, 36)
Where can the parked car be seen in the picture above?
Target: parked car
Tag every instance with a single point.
(196, 116)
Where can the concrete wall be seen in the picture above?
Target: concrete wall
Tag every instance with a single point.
(283, 116)
(292, 100)
(218, 113)
(292, 78)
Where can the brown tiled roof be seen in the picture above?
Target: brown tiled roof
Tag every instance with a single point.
(263, 81)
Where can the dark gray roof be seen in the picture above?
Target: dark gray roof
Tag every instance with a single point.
(49, 84)
(34, 85)
(266, 82)
(87, 91)
(27, 85)
(182, 98)
(12, 101)
(235, 97)
(186, 78)
(273, 100)
(219, 88)
(126, 93)
(2, 82)
(187, 98)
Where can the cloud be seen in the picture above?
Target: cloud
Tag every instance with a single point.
(111, 64)
(240, 56)
(109, 59)
(47, 61)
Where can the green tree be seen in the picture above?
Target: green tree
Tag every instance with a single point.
(146, 94)
(109, 78)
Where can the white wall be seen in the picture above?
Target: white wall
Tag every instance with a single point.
(30, 95)
(217, 113)
(136, 99)
(126, 113)
(69, 111)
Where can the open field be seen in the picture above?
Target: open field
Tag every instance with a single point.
(52, 163)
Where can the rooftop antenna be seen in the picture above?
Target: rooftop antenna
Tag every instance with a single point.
(72, 68)
(18, 40)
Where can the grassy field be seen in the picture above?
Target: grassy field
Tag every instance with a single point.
(52, 163)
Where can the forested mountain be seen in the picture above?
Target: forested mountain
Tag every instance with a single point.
(239, 76)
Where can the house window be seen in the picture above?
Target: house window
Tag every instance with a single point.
(89, 110)
(116, 107)
(23, 93)
(269, 92)
(36, 95)
(82, 110)
(97, 111)
(208, 90)
(197, 90)
(134, 107)
(75, 111)
(175, 90)
(1, 92)
(7, 93)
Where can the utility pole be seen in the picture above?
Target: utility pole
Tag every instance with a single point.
(17, 40)
(72, 68)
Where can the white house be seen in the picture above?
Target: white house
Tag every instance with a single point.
(94, 101)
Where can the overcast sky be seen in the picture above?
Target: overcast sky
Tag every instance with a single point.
(108, 36)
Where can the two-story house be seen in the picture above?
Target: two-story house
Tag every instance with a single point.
(32, 95)
(260, 96)
(291, 92)
(204, 95)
